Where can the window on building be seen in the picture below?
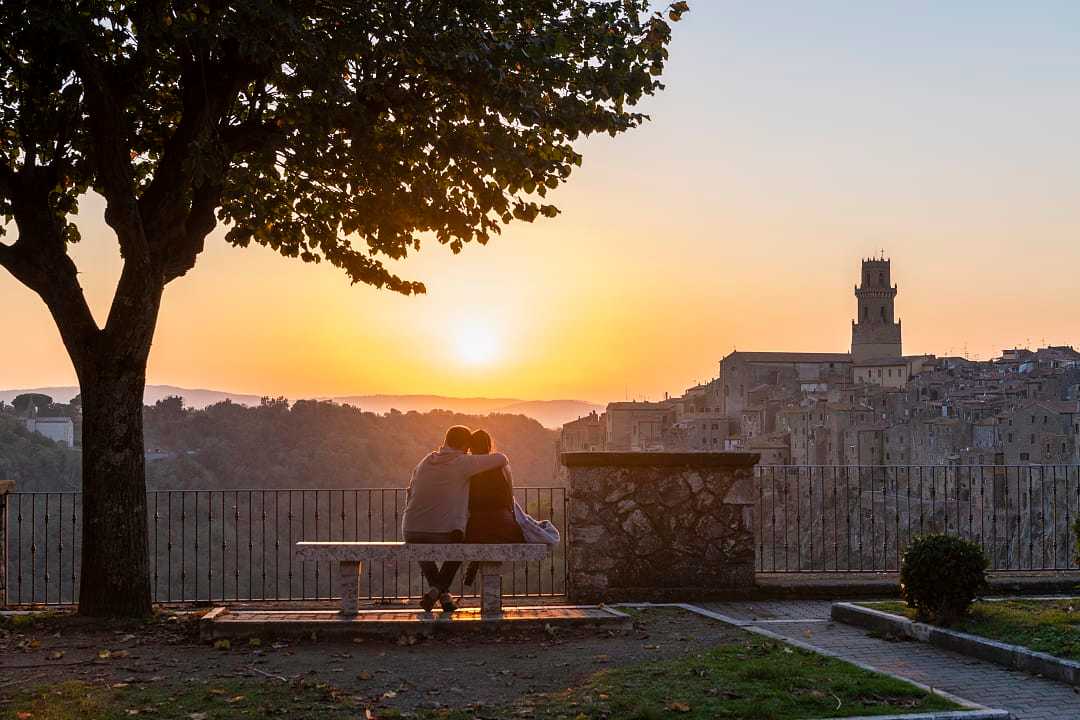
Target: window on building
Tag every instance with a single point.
(882, 312)
(1010, 437)
(1032, 439)
(1045, 418)
(1025, 456)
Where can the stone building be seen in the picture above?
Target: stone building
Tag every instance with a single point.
(1041, 432)
(638, 425)
(872, 405)
(875, 334)
(586, 434)
(58, 429)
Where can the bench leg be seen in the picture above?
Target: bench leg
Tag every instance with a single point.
(349, 586)
(491, 590)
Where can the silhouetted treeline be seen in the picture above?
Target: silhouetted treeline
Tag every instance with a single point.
(319, 444)
(308, 444)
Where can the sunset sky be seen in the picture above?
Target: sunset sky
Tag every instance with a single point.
(793, 139)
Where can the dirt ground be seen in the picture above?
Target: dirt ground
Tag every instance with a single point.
(407, 674)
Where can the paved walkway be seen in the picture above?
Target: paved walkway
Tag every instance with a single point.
(1026, 696)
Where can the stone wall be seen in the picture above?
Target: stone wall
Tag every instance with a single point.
(660, 526)
(6, 486)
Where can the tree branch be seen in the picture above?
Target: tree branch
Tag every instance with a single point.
(199, 223)
(112, 160)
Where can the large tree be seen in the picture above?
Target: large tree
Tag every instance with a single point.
(341, 131)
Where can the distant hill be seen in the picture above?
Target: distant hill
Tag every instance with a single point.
(552, 413)
(549, 413)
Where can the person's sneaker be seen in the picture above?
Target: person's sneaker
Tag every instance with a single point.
(447, 602)
(428, 600)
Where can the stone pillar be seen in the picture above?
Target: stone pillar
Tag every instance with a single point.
(660, 526)
(6, 486)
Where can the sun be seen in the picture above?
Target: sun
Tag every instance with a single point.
(477, 345)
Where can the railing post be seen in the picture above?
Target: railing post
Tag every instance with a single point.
(6, 487)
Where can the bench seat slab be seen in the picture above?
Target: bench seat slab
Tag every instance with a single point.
(409, 552)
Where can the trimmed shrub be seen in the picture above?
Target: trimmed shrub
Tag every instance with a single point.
(940, 576)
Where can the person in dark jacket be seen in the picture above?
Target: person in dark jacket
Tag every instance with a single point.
(491, 504)
(436, 510)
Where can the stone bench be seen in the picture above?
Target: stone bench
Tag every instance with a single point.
(494, 559)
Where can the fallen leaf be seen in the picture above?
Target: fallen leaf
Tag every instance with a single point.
(104, 654)
(389, 695)
(117, 686)
(56, 654)
(254, 642)
(601, 658)
(363, 675)
(679, 707)
(235, 699)
(197, 716)
(23, 715)
(222, 645)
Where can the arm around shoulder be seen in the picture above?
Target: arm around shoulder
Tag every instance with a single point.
(483, 463)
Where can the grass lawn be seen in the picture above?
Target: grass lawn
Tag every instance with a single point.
(1049, 626)
(754, 679)
(226, 700)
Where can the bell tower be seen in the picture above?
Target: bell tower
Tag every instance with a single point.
(875, 333)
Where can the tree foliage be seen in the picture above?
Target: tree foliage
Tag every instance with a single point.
(339, 132)
(31, 402)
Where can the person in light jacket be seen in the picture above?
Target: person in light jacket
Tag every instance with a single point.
(437, 508)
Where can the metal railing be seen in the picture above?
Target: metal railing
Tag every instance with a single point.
(238, 545)
(833, 519)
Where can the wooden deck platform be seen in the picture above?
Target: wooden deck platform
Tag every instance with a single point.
(226, 623)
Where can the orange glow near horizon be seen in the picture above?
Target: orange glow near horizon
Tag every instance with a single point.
(736, 218)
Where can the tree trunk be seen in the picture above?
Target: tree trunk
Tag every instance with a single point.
(115, 578)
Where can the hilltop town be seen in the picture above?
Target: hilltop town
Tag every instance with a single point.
(870, 406)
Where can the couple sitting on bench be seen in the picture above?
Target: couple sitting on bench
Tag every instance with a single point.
(463, 492)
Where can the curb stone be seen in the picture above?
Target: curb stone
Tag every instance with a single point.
(1016, 657)
(975, 711)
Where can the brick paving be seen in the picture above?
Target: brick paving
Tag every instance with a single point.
(1025, 696)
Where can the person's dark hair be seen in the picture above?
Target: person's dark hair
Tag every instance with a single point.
(480, 443)
(458, 437)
